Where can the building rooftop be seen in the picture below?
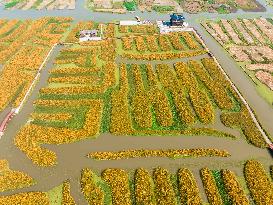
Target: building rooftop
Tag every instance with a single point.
(177, 17)
(89, 32)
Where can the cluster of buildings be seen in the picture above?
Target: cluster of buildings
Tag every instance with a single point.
(89, 35)
(177, 23)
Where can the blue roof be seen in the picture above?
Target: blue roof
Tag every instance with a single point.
(177, 17)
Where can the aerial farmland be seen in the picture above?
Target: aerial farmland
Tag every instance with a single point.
(136, 102)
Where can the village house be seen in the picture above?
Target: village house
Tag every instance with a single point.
(89, 35)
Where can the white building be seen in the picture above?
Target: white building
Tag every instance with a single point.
(168, 29)
(134, 23)
(89, 35)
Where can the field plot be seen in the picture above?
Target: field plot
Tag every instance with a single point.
(148, 45)
(122, 6)
(135, 83)
(24, 47)
(92, 90)
(168, 6)
(249, 42)
(160, 186)
(39, 4)
(220, 6)
(10, 179)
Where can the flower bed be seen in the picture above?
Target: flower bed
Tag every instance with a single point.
(253, 30)
(119, 183)
(127, 43)
(224, 39)
(163, 56)
(29, 198)
(15, 77)
(151, 77)
(120, 117)
(67, 199)
(50, 135)
(265, 78)
(190, 41)
(140, 44)
(244, 121)
(189, 192)
(138, 29)
(229, 29)
(164, 43)
(163, 187)
(176, 42)
(246, 37)
(92, 193)
(144, 193)
(258, 183)
(110, 30)
(217, 90)
(183, 107)
(265, 26)
(171, 83)
(233, 188)
(202, 106)
(141, 110)
(11, 180)
(171, 153)
(161, 107)
(211, 190)
(152, 43)
(75, 79)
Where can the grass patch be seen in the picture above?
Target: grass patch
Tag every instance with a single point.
(130, 5)
(221, 187)
(36, 4)
(12, 4)
(223, 10)
(163, 9)
(105, 187)
(76, 122)
(55, 195)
